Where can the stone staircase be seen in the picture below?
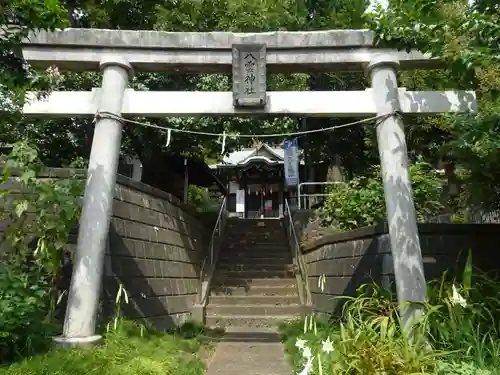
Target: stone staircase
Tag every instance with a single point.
(254, 283)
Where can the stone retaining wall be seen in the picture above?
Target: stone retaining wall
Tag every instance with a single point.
(155, 250)
(353, 258)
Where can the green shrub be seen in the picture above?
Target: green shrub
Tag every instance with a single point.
(361, 202)
(41, 214)
(366, 340)
(130, 349)
(24, 305)
(458, 334)
(199, 197)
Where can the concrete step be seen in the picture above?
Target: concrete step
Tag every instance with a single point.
(251, 237)
(256, 249)
(239, 254)
(253, 229)
(253, 300)
(255, 310)
(244, 238)
(254, 223)
(248, 259)
(264, 245)
(256, 228)
(220, 283)
(257, 242)
(261, 253)
(253, 267)
(225, 275)
(256, 232)
(256, 253)
(247, 321)
(237, 291)
(249, 229)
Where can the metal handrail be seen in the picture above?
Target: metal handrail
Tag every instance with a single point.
(210, 259)
(297, 255)
(218, 227)
(314, 183)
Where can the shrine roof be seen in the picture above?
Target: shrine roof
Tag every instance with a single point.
(263, 153)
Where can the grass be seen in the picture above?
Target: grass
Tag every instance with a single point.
(459, 334)
(129, 349)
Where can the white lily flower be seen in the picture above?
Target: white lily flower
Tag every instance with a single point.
(300, 343)
(307, 368)
(456, 298)
(306, 352)
(327, 346)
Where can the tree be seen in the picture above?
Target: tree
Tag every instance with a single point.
(17, 19)
(347, 143)
(467, 38)
(64, 140)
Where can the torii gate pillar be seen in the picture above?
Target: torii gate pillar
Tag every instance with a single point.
(85, 287)
(401, 216)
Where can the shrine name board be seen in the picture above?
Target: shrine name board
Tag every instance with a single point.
(249, 75)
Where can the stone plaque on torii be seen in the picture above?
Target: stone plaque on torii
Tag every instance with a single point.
(249, 75)
(118, 53)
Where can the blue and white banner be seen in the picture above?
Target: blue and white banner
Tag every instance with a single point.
(291, 162)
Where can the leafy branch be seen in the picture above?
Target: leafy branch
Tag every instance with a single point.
(38, 217)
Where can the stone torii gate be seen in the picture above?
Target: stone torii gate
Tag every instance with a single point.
(118, 53)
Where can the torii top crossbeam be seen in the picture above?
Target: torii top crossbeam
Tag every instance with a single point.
(331, 50)
(156, 51)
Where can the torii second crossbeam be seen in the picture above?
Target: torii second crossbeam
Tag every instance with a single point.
(280, 103)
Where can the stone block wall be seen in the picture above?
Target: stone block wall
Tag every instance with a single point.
(155, 251)
(351, 259)
(156, 247)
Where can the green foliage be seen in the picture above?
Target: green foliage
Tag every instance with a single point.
(54, 202)
(198, 197)
(39, 216)
(349, 143)
(121, 297)
(366, 340)
(467, 40)
(466, 36)
(192, 329)
(462, 368)
(360, 202)
(62, 146)
(476, 146)
(463, 317)
(62, 140)
(459, 334)
(131, 349)
(17, 19)
(24, 302)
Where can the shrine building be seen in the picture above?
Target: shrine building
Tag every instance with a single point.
(255, 179)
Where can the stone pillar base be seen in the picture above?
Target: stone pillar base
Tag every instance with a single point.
(80, 342)
(198, 313)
